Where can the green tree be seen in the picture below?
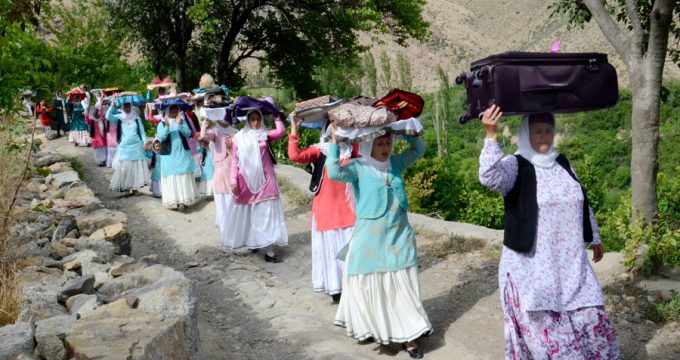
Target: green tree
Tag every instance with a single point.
(370, 73)
(639, 31)
(404, 73)
(386, 67)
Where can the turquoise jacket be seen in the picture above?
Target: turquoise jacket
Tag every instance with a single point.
(372, 193)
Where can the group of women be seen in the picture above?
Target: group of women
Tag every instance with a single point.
(363, 246)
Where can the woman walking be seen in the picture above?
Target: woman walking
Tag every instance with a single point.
(177, 168)
(111, 133)
(98, 129)
(79, 133)
(381, 290)
(256, 218)
(332, 211)
(131, 171)
(42, 113)
(552, 303)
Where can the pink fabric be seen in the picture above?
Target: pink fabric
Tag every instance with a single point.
(330, 206)
(192, 141)
(99, 140)
(271, 188)
(222, 159)
(111, 135)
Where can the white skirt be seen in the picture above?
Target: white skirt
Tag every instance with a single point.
(81, 137)
(110, 153)
(223, 203)
(156, 188)
(385, 306)
(197, 161)
(100, 154)
(179, 189)
(206, 188)
(326, 268)
(254, 226)
(129, 175)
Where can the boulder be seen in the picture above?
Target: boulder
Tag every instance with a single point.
(79, 285)
(40, 301)
(117, 235)
(17, 340)
(46, 159)
(120, 268)
(65, 226)
(82, 303)
(62, 179)
(87, 224)
(58, 250)
(49, 336)
(115, 331)
(60, 167)
(81, 196)
(36, 186)
(103, 248)
(134, 280)
(81, 260)
(101, 278)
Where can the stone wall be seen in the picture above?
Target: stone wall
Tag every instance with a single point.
(83, 296)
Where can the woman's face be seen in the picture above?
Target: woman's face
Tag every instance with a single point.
(541, 136)
(174, 110)
(127, 108)
(382, 148)
(156, 146)
(254, 120)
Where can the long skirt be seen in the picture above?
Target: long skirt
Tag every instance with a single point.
(156, 188)
(129, 175)
(206, 188)
(110, 154)
(48, 132)
(326, 268)
(80, 137)
(100, 155)
(223, 203)
(584, 333)
(255, 226)
(384, 306)
(179, 189)
(196, 158)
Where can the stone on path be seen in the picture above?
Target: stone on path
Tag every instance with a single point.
(81, 195)
(59, 180)
(17, 340)
(46, 159)
(87, 224)
(117, 235)
(79, 285)
(49, 335)
(39, 301)
(65, 226)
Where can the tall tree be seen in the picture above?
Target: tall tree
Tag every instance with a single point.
(293, 37)
(160, 28)
(639, 31)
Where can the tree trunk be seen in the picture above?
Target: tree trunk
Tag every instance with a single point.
(645, 138)
(180, 70)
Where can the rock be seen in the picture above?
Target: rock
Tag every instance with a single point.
(35, 186)
(60, 167)
(82, 303)
(87, 224)
(117, 235)
(49, 335)
(115, 331)
(131, 300)
(103, 248)
(664, 344)
(46, 159)
(81, 195)
(134, 280)
(79, 285)
(59, 180)
(101, 278)
(39, 302)
(73, 234)
(17, 340)
(65, 226)
(58, 250)
(131, 266)
(81, 260)
(641, 257)
(665, 287)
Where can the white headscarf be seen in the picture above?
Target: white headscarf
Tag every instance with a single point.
(527, 151)
(250, 159)
(323, 145)
(127, 117)
(224, 131)
(365, 149)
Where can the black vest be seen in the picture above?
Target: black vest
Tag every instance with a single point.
(166, 145)
(521, 207)
(318, 167)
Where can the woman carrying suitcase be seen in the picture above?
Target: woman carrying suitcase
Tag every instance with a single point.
(552, 302)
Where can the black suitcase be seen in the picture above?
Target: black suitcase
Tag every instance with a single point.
(525, 82)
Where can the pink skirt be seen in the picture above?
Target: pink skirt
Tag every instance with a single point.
(584, 333)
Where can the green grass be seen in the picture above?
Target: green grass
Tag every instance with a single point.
(666, 310)
(77, 166)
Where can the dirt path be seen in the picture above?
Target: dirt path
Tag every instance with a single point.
(250, 309)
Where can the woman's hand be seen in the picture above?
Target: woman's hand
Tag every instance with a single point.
(598, 252)
(295, 124)
(490, 120)
(179, 119)
(228, 142)
(235, 190)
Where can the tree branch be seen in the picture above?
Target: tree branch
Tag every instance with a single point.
(611, 30)
(660, 22)
(638, 31)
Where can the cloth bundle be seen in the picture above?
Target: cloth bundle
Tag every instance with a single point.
(361, 116)
(403, 103)
(314, 112)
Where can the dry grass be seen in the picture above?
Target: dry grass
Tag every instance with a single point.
(296, 196)
(12, 162)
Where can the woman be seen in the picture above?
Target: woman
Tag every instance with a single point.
(220, 138)
(61, 116)
(42, 113)
(255, 218)
(332, 212)
(131, 171)
(111, 133)
(177, 168)
(79, 133)
(98, 129)
(381, 289)
(552, 303)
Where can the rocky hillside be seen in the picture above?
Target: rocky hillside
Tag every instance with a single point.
(464, 30)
